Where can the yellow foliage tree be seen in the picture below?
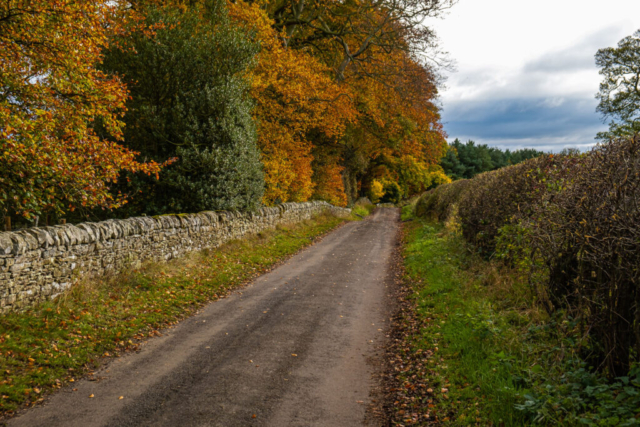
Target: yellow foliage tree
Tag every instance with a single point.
(294, 94)
(376, 191)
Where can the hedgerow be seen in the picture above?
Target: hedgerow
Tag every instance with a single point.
(573, 221)
(439, 202)
(587, 235)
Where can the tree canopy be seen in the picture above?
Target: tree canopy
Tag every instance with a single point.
(51, 94)
(619, 93)
(185, 105)
(466, 160)
(365, 70)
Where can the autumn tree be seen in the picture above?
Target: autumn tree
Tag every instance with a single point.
(295, 97)
(398, 119)
(353, 34)
(619, 94)
(51, 94)
(189, 101)
(377, 50)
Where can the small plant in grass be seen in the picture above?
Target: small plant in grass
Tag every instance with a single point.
(362, 208)
(360, 211)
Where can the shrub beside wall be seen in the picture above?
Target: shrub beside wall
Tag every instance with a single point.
(40, 263)
(574, 220)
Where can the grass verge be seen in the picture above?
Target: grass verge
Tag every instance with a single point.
(474, 349)
(59, 341)
(362, 210)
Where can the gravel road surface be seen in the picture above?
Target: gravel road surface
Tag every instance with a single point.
(293, 348)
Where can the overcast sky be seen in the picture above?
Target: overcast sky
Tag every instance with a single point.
(526, 75)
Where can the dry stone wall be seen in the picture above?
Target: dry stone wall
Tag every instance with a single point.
(40, 263)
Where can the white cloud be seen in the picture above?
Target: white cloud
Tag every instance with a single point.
(532, 61)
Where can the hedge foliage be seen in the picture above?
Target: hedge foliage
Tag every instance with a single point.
(574, 221)
(438, 203)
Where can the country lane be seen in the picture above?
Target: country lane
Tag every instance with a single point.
(292, 348)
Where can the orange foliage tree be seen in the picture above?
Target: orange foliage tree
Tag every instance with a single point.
(52, 95)
(375, 50)
(398, 119)
(295, 95)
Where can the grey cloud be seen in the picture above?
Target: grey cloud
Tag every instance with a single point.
(547, 104)
(515, 123)
(577, 57)
(493, 84)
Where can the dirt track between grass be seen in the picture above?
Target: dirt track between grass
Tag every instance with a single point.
(290, 349)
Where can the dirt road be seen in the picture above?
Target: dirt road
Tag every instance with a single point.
(291, 349)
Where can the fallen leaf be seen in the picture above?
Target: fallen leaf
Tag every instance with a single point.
(121, 397)
(90, 396)
(253, 416)
(294, 355)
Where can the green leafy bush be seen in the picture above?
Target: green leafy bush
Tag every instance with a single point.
(504, 197)
(189, 101)
(583, 397)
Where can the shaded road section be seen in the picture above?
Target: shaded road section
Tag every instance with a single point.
(290, 349)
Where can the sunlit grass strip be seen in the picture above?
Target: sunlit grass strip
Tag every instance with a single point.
(462, 348)
(478, 350)
(60, 341)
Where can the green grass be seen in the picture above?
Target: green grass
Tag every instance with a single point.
(478, 351)
(56, 343)
(406, 212)
(360, 211)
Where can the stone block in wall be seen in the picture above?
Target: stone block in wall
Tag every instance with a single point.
(43, 238)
